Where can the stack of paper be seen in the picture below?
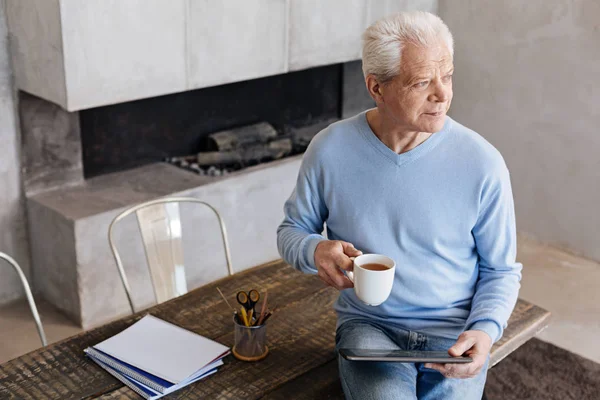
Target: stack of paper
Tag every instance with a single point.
(155, 358)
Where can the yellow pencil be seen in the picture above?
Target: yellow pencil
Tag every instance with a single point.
(244, 316)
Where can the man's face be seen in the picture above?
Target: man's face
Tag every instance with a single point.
(419, 97)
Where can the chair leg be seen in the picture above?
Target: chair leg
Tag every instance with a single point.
(36, 316)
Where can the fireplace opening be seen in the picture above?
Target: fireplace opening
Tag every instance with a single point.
(234, 149)
(282, 112)
(176, 126)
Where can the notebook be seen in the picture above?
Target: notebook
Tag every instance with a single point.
(138, 387)
(154, 357)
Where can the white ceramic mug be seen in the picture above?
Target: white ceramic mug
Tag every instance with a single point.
(372, 287)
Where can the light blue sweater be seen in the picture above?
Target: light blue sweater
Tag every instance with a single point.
(443, 211)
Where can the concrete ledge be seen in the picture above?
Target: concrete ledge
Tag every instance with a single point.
(74, 268)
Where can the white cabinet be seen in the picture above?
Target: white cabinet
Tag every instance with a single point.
(325, 31)
(84, 54)
(119, 50)
(235, 40)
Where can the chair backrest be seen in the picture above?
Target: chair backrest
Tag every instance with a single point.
(160, 226)
(27, 289)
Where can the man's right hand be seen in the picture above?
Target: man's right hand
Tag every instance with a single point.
(333, 256)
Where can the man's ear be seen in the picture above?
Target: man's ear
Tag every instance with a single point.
(375, 88)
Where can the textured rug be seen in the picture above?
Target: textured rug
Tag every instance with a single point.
(540, 370)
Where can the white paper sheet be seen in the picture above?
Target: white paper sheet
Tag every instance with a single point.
(162, 349)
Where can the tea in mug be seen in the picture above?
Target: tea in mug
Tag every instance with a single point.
(375, 267)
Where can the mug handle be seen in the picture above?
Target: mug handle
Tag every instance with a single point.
(350, 274)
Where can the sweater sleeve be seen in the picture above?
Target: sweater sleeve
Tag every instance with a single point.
(499, 279)
(305, 213)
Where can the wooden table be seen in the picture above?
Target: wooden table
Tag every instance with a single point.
(301, 336)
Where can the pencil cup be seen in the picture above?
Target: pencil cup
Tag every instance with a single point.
(250, 342)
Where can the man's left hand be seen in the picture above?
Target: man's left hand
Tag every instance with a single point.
(475, 344)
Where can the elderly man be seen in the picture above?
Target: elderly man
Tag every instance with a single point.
(407, 181)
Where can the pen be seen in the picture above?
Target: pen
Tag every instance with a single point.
(263, 309)
(267, 317)
(224, 298)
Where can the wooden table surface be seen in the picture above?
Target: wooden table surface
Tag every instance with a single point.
(301, 336)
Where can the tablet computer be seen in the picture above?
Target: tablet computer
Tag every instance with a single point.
(402, 356)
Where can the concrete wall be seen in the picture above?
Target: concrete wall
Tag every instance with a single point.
(355, 97)
(526, 78)
(13, 233)
(50, 145)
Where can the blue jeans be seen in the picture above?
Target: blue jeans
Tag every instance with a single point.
(391, 380)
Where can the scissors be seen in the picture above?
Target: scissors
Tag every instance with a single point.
(248, 300)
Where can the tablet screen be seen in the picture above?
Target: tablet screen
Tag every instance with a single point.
(402, 356)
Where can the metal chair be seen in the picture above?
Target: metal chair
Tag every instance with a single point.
(27, 289)
(160, 225)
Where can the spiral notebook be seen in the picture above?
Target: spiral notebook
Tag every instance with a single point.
(155, 358)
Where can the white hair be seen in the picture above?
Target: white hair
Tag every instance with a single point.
(384, 40)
